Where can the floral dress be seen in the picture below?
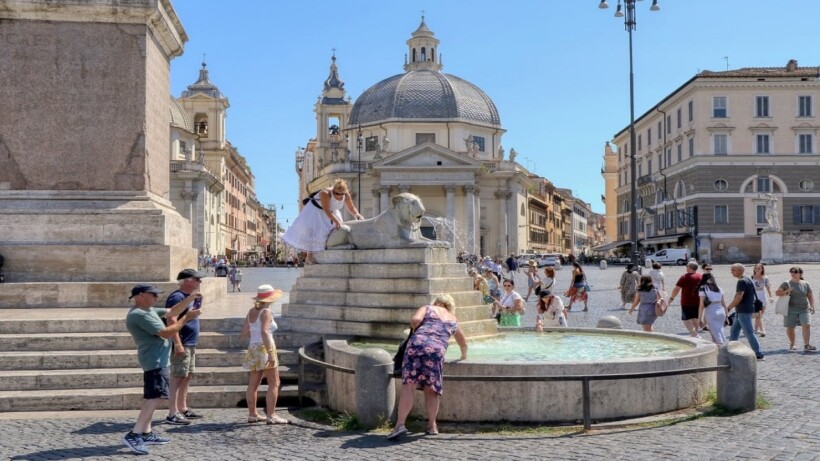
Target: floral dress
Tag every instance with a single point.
(628, 285)
(424, 358)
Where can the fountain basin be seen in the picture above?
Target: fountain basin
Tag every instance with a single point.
(552, 401)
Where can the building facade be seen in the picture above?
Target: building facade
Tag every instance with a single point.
(434, 135)
(230, 224)
(713, 153)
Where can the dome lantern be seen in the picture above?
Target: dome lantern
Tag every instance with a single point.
(421, 53)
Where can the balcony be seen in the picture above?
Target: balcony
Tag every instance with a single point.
(645, 179)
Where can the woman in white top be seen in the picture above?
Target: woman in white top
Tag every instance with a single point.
(658, 279)
(762, 286)
(261, 359)
(712, 308)
(511, 306)
(551, 312)
(320, 215)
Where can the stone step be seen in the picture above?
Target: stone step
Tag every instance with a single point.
(378, 285)
(102, 378)
(383, 271)
(387, 256)
(83, 262)
(97, 325)
(130, 398)
(385, 299)
(92, 294)
(373, 314)
(103, 341)
(386, 330)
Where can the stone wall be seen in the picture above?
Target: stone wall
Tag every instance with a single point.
(801, 247)
(735, 250)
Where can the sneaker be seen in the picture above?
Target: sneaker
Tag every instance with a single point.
(191, 414)
(177, 420)
(135, 443)
(760, 358)
(151, 438)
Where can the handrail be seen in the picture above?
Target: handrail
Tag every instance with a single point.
(585, 379)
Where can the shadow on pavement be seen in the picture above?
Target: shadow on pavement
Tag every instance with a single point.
(73, 453)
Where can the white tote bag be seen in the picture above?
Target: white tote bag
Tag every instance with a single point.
(782, 306)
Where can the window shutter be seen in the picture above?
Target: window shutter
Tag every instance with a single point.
(816, 214)
(796, 214)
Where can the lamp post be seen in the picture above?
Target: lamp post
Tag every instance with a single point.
(359, 143)
(629, 25)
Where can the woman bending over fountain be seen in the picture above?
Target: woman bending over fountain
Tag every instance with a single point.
(646, 296)
(551, 312)
(424, 360)
(320, 215)
(712, 309)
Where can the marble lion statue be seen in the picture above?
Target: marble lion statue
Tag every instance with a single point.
(397, 227)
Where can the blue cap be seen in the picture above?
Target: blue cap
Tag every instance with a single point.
(144, 288)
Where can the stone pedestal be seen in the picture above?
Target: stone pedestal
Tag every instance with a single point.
(84, 142)
(771, 247)
(374, 293)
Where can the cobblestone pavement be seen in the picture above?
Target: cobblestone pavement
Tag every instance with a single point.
(788, 429)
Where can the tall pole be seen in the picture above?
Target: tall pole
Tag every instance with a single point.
(633, 216)
(359, 142)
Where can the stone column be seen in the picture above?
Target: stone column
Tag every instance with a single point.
(469, 197)
(384, 198)
(75, 167)
(450, 190)
(375, 392)
(477, 232)
(503, 196)
(737, 387)
(376, 202)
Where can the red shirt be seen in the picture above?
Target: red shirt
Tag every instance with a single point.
(688, 284)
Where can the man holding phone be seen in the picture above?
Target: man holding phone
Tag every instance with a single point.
(151, 337)
(183, 355)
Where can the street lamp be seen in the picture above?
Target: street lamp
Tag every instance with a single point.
(359, 143)
(629, 24)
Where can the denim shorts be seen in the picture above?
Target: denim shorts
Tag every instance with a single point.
(155, 384)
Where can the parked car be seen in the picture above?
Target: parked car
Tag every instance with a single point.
(550, 260)
(679, 256)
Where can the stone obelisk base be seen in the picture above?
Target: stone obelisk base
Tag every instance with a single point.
(771, 247)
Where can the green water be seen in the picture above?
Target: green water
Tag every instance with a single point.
(556, 347)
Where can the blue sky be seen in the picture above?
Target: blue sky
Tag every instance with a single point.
(557, 70)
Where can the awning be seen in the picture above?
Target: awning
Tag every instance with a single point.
(611, 245)
(669, 238)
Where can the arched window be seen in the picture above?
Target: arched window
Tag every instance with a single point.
(523, 210)
(414, 55)
(423, 54)
(433, 54)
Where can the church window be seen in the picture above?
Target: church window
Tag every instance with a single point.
(371, 143)
(423, 54)
(422, 138)
(414, 55)
(433, 54)
(480, 141)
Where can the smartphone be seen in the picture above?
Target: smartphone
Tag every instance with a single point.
(197, 303)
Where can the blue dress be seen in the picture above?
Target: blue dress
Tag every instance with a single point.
(424, 358)
(646, 309)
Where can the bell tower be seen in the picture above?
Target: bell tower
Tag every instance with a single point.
(332, 115)
(422, 48)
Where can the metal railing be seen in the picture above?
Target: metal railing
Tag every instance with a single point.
(585, 379)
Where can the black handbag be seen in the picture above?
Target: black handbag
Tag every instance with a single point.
(398, 359)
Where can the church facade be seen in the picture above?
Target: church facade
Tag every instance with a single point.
(433, 134)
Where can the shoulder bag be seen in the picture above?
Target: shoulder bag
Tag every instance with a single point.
(398, 359)
(660, 305)
(782, 306)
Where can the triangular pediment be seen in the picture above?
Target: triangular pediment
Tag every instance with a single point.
(427, 155)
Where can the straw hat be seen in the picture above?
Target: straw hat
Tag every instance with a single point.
(532, 262)
(267, 294)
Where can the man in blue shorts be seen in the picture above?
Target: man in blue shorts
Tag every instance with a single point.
(153, 350)
(183, 357)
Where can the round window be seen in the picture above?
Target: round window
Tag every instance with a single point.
(806, 185)
(721, 185)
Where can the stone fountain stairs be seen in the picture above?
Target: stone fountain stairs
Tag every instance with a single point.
(83, 358)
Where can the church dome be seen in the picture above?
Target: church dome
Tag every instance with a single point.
(424, 95)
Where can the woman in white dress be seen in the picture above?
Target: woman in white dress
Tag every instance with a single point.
(320, 215)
